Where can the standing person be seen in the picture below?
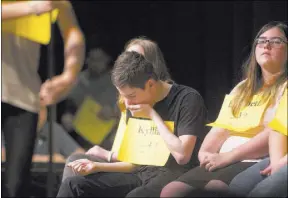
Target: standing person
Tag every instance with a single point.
(22, 91)
(144, 96)
(64, 145)
(228, 150)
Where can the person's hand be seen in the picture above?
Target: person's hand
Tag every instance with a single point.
(272, 168)
(216, 161)
(141, 110)
(40, 7)
(267, 171)
(98, 151)
(56, 89)
(202, 155)
(83, 166)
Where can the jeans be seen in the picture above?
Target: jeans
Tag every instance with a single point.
(251, 183)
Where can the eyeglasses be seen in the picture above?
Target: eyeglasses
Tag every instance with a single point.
(275, 42)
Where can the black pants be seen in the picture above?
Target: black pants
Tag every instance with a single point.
(104, 184)
(19, 128)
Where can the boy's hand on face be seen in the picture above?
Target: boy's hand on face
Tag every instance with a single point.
(141, 110)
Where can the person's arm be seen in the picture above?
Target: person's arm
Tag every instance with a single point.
(211, 145)
(3, 154)
(123, 167)
(16, 9)
(102, 154)
(192, 118)
(11, 10)
(277, 147)
(74, 41)
(180, 147)
(216, 136)
(277, 152)
(255, 148)
(85, 167)
(55, 89)
(213, 141)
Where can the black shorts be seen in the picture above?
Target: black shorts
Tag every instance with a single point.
(198, 177)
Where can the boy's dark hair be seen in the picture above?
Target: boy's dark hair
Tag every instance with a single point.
(132, 69)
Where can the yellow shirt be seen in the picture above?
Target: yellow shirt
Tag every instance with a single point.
(279, 122)
(238, 138)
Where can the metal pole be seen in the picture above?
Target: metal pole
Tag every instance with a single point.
(51, 115)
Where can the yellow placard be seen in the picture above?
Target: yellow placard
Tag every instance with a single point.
(31, 27)
(279, 122)
(89, 125)
(142, 143)
(121, 104)
(250, 117)
(120, 133)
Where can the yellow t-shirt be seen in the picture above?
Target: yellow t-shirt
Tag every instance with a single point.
(251, 120)
(279, 122)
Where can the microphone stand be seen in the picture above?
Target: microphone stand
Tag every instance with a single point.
(51, 115)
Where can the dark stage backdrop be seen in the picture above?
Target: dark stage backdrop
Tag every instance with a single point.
(204, 43)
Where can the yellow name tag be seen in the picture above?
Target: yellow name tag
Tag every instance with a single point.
(139, 142)
(120, 133)
(250, 117)
(32, 27)
(279, 122)
(89, 125)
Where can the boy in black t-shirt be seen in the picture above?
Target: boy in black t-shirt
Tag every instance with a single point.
(148, 97)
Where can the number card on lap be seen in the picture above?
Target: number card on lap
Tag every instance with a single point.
(142, 143)
(89, 125)
(279, 122)
(249, 117)
(32, 27)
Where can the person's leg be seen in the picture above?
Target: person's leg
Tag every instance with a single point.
(273, 186)
(154, 183)
(197, 181)
(245, 181)
(188, 184)
(99, 185)
(176, 189)
(68, 172)
(19, 133)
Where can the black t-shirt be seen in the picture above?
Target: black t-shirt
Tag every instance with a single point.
(184, 106)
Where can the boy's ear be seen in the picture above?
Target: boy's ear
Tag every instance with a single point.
(150, 83)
